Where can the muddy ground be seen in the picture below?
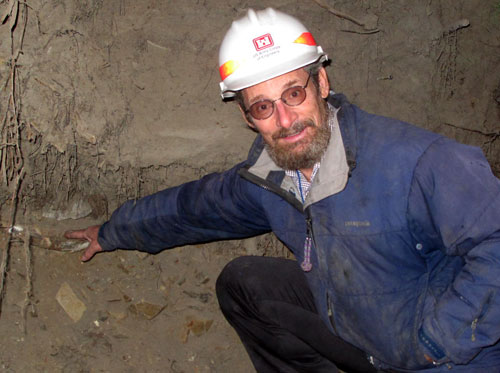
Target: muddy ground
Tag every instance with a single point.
(138, 313)
(104, 101)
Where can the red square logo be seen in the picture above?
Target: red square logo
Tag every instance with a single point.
(263, 42)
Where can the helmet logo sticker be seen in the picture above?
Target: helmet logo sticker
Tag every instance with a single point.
(263, 42)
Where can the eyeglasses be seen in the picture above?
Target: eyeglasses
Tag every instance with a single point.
(292, 96)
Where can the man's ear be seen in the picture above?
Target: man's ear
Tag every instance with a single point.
(324, 84)
(246, 118)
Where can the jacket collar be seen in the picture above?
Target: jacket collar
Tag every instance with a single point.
(347, 119)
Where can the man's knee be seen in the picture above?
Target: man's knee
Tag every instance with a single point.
(230, 283)
(247, 278)
(235, 274)
(250, 273)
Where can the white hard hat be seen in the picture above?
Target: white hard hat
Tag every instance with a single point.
(261, 46)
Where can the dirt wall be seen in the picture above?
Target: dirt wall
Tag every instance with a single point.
(114, 94)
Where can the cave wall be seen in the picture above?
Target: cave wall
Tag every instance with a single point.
(111, 100)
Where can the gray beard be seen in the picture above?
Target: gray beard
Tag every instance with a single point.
(285, 155)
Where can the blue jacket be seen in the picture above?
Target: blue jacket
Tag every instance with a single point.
(406, 258)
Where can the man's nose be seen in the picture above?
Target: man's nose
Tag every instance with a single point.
(286, 115)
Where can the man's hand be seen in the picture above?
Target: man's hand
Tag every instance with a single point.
(90, 234)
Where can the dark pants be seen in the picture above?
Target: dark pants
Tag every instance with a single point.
(269, 303)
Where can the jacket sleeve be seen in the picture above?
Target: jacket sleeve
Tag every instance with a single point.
(218, 206)
(454, 207)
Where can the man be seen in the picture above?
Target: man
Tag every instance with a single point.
(396, 230)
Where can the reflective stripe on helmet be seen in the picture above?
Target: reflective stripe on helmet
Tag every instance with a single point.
(228, 68)
(305, 38)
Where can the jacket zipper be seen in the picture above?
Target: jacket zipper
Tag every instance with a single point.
(306, 264)
(330, 313)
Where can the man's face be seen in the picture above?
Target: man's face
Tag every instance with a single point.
(296, 136)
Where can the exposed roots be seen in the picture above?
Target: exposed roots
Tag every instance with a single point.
(4, 264)
(367, 29)
(11, 155)
(28, 291)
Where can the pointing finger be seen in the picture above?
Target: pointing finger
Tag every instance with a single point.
(80, 234)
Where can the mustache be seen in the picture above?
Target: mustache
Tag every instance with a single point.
(294, 129)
